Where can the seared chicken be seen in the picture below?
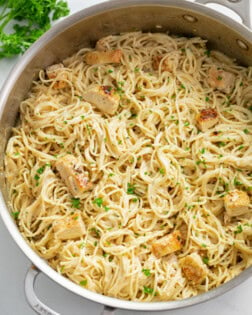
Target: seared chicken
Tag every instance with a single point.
(167, 244)
(55, 71)
(103, 97)
(73, 175)
(193, 268)
(236, 202)
(70, 227)
(220, 79)
(103, 57)
(170, 63)
(207, 118)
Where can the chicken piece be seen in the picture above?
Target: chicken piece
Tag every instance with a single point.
(207, 118)
(55, 71)
(103, 57)
(103, 43)
(193, 268)
(103, 97)
(236, 202)
(170, 63)
(167, 244)
(73, 175)
(70, 227)
(220, 79)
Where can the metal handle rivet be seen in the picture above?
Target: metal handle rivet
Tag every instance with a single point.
(190, 18)
(242, 44)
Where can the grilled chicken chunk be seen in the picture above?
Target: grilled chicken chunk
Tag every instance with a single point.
(70, 227)
(220, 79)
(167, 244)
(207, 118)
(236, 202)
(103, 43)
(55, 71)
(193, 268)
(169, 63)
(103, 57)
(103, 97)
(73, 175)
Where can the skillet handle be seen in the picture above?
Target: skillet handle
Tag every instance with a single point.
(31, 297)
(39, 307)
(241, 7)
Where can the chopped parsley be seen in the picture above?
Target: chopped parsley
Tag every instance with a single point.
(221, 144)
(111, 174)
(148, 290)
(203, 150)
(110, 71)
(98, 202)
(146, 272)
(136, 69)
(240, 147)
(15, 214)
(246, 131)
(131, 189)
(207, 99)
(75, 203)
(36, 177)
(207, 52)
(186, 124)
(203, 245)
(236, 182)
(205, 260)
(219, 78)
(161, 171)
(238, 230)
(83, 282)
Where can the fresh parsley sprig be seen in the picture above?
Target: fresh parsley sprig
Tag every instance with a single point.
(31, 19)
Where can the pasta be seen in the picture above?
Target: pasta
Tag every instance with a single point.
(166, 210)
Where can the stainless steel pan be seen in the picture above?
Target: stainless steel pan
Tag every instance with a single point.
(83, 29)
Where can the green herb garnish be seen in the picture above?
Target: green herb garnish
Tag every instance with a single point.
(205, 260)
(238, 230)
(75, 203)
(83, 282)
(31, 19)
(131, 189)
(146, 272)
(148, 290)
(15, 214)
(98, 202)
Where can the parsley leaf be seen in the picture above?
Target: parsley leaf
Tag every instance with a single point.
(146, 272)
(83, 282)
(75, 203)
(238, 230)
(148, 290)
(32, 20)
(98, 202)
(131, 189)
(205, 260)
(15, 214)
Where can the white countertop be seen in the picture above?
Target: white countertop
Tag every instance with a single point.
(14, 264)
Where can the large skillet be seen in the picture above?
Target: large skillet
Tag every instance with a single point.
(83, 29)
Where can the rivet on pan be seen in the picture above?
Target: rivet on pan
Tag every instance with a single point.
(242, 45)
(234, 1)
(190, 18)
(158, 26)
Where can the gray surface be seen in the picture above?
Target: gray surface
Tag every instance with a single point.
(13, 266)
